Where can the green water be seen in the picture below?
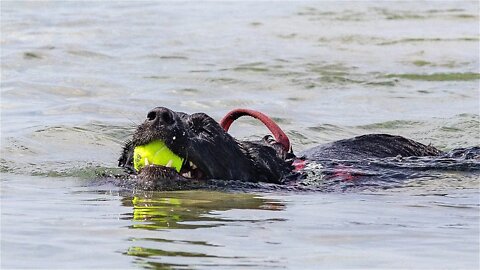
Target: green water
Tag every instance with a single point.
(437, 76)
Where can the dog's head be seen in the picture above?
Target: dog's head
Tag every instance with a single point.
(208, 151)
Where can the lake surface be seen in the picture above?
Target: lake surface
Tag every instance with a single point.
(77, 77)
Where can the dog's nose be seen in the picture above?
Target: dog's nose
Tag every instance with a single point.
(160, 115)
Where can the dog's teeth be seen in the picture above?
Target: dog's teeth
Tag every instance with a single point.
(193, 166)
(187, 175)
(169, 164)
(146, 162)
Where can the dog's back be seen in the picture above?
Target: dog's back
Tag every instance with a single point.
(370, 146)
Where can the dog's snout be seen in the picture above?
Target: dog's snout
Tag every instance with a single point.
(161, 115)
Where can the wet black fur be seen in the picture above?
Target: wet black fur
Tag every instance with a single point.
(200, 139)
(370, 146)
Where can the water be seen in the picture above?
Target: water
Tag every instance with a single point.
(77, 77)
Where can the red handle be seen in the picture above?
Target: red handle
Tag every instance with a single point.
(277, 132)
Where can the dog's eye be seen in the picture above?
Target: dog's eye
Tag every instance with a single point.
(201, 123)
(196, 124)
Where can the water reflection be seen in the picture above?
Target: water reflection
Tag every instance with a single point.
(164, 219)
(189, 209)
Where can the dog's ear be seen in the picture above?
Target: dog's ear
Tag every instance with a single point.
(126, 159)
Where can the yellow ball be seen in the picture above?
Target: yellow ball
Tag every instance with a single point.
(157, 153)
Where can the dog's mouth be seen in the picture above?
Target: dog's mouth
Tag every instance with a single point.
(188, 171)
(191, 171)
(156, 156)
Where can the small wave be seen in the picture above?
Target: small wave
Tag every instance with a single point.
(468, 76)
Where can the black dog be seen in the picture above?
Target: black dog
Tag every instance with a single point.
(211, 153)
